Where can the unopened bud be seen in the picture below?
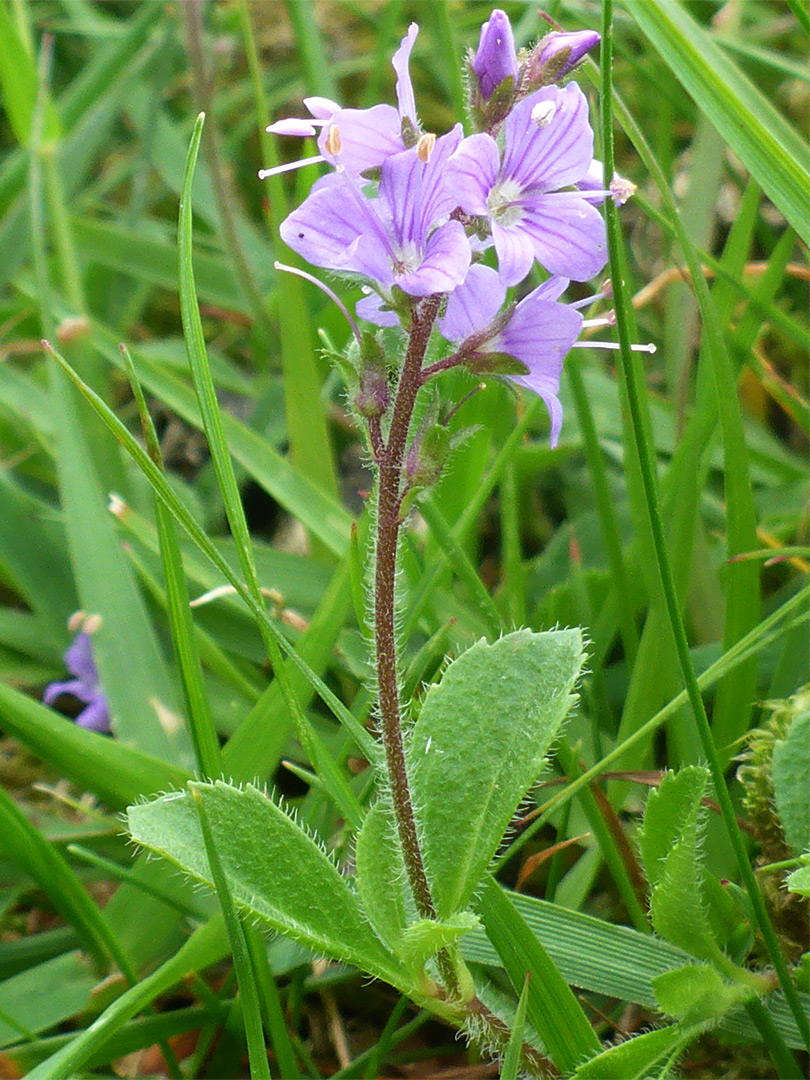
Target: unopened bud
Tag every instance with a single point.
(556, 55)
(496, 58)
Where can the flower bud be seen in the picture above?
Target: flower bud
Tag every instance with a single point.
(373, 394)
(496, 58)
(556, 55)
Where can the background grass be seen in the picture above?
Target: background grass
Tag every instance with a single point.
(98, 105)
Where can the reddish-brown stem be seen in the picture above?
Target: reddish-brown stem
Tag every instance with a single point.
(390, 462)
(441, 365)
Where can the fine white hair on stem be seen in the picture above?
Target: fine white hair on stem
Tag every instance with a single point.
(324, 289)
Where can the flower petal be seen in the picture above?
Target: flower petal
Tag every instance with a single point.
(495, 59)
(321, 108)
(473, 171)
(445, 265)
(75, 687)
(400, 61)
(367, 137)
(418, 193)
(539, 334)
(554, 156)
(370, 308)
(79, 659)
(567, 234)
(96, 716)
(337, 228)
(473, 304)
(303, 129)
(515, 252)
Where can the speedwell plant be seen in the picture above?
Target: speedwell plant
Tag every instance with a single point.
(446, 238)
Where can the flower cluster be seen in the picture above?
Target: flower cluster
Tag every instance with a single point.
(411, 215)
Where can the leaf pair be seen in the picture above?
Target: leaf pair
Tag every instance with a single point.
(478, 745)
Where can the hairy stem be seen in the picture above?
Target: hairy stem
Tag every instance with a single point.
(390, 462)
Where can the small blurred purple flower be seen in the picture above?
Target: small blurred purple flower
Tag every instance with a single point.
(557, 54)
(496, 58)
(548, 145)
(538, 333)
(400, 237)
(85, 686)
(357, 139)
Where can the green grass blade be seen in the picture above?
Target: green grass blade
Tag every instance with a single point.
(226, 479)
(746, 120)
(510, 1069)
(623, 317)
(201, 724)
(554, 1012)
(251, 1009)
(338, 786)
(207, 945)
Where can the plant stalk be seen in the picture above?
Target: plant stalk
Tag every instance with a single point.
(389, 500)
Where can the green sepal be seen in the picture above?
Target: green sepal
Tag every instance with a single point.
(494, 363)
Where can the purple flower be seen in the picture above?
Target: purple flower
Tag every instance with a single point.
(85, 686)
(538, 333)
(496, 59)
(557, 54)
(401, 236)
(357, 139)
(548, 145)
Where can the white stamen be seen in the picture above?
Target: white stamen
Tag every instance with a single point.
(327, 292)
(648, 348)
(264, 173)
(607, 320)
(589, 300)
(543, 113)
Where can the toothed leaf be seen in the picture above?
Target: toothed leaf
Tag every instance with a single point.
(478, 746)
(276, 872)
(668, 842)
(791, 781)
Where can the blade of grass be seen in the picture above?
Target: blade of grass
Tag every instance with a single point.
(248, 993)
(207, 945)
(510, 1069)
(272, 1010)
(460, 562)
(765, 143)
(310, 446)
(192, 527)
(623, 313)
(234, 511)
(118, 774)
(554, 1012)
(198, 710)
